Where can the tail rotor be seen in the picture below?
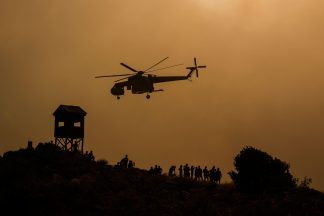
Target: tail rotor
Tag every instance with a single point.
(195, 68)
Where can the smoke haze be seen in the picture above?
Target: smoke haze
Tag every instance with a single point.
(263, 85)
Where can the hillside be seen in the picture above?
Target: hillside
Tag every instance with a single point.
(48, 181)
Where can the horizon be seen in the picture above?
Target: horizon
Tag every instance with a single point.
(263, 86)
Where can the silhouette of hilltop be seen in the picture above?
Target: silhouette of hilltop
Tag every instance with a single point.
(49, 181)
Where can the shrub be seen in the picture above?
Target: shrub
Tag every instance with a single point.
(305, 183)
(257, 171)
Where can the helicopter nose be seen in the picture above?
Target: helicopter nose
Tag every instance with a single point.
(117, 91)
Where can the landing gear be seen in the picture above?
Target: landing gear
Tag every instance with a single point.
(148, 96)
(118, 97)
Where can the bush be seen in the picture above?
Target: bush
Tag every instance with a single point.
(257, 171)
(305, 183)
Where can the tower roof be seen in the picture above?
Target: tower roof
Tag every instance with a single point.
(69, 110)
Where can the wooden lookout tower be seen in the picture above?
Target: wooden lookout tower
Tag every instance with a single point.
(69, 127)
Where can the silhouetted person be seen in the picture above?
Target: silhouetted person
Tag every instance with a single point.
(172, 171)
(180, 171)
(186, 171)
(206, 173)
(131, 164)
(117, 166)
(199, 173)
(192, 169)
(91, 156)
(212, 174)
(218, 176)
(30, 146)
(158, 170)
(124, 162)
(151, 171)
(196, 173)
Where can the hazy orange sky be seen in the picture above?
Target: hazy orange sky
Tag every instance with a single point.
(263, 86)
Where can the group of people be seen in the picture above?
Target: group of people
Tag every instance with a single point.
(197, 173)
(157, 170)
(125, 163)
(89, 155)
(191, 172)
(185, 171)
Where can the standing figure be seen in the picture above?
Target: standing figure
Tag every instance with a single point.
(91, 156)
(159, 170)
(131, 164)
(172, 171)
(180, 171)
(199, 173)
(124, 162)
(151, 171)
(186, 171)
(206, 173)
(212, 174)
(218, 176)
(196, 173)
(192, 170)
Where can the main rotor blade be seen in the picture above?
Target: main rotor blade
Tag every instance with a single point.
(195, 62)
(202, 66)
(156, 64)
(128, 67)
(123, 78)
(151, 74)
(113, 75)
(164, 68)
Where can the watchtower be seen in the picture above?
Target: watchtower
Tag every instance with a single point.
(69, 127)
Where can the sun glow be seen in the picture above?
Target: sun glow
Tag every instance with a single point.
(214, 4)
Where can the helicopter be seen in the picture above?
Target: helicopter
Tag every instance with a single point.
(140, 82)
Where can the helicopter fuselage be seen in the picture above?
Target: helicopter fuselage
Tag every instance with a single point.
(137, 84)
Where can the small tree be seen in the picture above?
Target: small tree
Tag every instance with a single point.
(257, 171)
